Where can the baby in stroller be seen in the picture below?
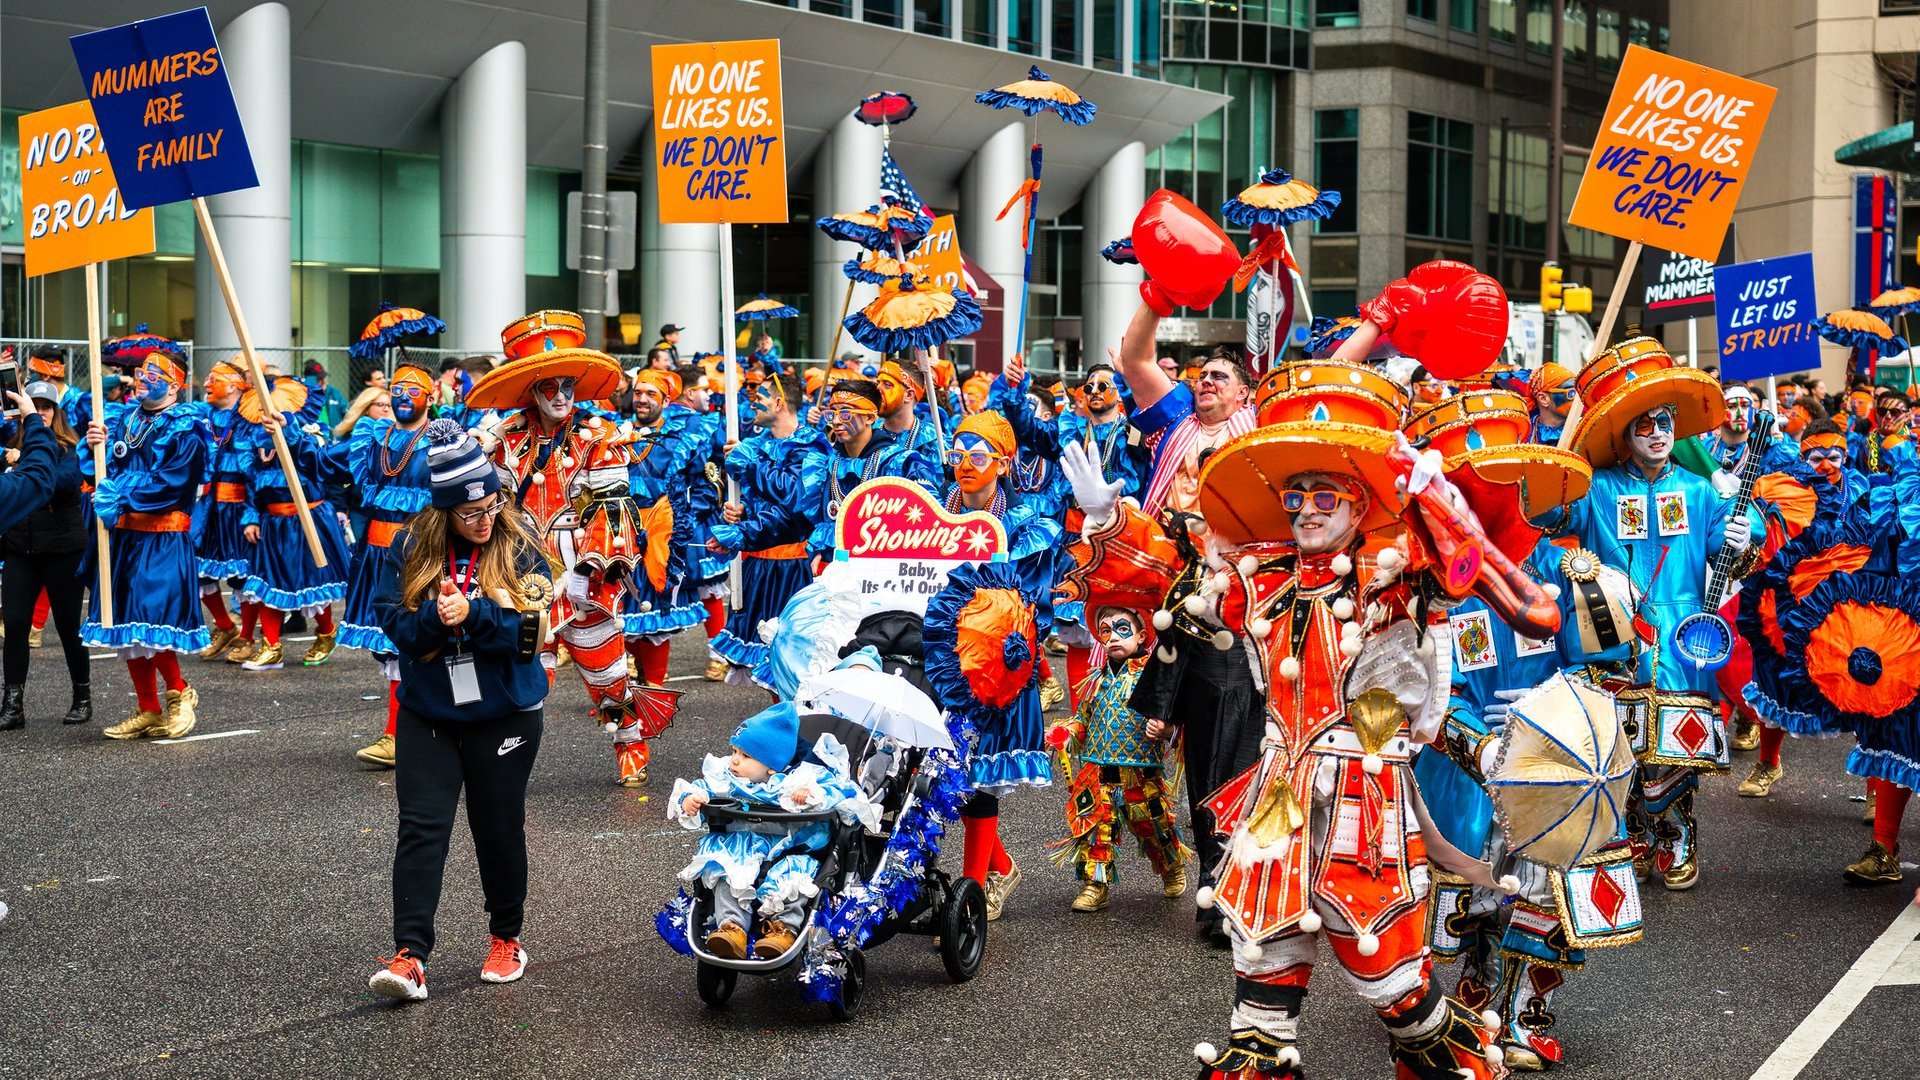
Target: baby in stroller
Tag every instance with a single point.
(752, 869)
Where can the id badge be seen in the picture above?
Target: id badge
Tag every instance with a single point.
(463, 680)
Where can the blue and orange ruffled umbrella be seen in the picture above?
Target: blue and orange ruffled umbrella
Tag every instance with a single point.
(392, 327)
(886, 228)
(910, 315)
(1857, 329)
(763, 307)
(879, 268)
(131, 349)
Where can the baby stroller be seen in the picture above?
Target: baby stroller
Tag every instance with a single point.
(870, 885)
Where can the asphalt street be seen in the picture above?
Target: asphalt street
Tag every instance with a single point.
(214, 907)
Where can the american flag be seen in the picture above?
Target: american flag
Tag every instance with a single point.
(894, 186)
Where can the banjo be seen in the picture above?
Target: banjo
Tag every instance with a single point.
(1703, 637)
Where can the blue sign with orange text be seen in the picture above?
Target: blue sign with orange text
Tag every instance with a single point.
(1766, 313)
(160, 95)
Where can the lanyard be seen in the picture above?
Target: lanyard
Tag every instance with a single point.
(453, 573)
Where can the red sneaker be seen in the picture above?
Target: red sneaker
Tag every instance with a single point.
(403, 979)
(506, 961)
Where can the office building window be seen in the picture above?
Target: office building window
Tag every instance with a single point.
(1338, 14)
(1334, 303)
(1146, 38)
(1640, 32)
(1540, 25)
(1575, 34)
(1108, 44)
(842, 8)
(1439, 177)
(1336, 165)
(932, 17)
(1066, 31)
(1463, 15)
(1521, 221)
(882, 12)
(1424, 9)
(980, 23)
(1023, 26)
(1502, 20)
(1606, 39)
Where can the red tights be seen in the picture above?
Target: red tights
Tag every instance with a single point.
(1889, 803)
(148, 672)
(651, 658)
(1079, 662)
(249, 614)
(716, 616)
(270, 619)
(981, 852)
(393, 704)
(1770, 740)
(217, 607)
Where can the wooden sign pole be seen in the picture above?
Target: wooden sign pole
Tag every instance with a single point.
(259, 374)
(1601, 336)
(730, 383)
(103, 558)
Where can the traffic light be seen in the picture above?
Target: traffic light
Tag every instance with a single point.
(1577, 299)
(1550, 287)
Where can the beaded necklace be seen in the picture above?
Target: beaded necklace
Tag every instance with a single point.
(997, 507)
(387, 468)
(867, 472)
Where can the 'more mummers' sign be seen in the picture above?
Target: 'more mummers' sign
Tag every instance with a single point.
(159, 90)
(720, 140)
(1672, 154)
(899, 544)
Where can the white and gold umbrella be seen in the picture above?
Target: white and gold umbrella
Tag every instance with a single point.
(1560, 783)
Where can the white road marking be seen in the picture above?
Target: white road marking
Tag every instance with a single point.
(685, 678)
(1892, 960)
(209, 735)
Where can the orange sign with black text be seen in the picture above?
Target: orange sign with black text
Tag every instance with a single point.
(938, 253)
(1672, 154)
(72, 210)
(720, 139)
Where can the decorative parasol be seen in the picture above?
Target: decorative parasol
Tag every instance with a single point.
(1120, 252)
(1901, 301)
(878, 268)
(763, 307)
(887, 227)
(1560, 782)
(1033, 95)
(882, 703)
(884, 109)
(1267, 208)
(906, 316)
(1857, 329)
(388, 328)
(129, 350)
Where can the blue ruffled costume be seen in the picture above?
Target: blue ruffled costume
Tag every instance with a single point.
(388, 467)
(768, 470)
(219, 539)
(280, 571)
(157, 462)
(669, 462)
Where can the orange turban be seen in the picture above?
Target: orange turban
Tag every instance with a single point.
(992, 427)
(1547, 377)
(666, 382)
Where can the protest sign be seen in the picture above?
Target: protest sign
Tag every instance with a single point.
(719, 134)
(1766, 317)
(1672, 154)
(938, 253)
(73, 208)
(159, 88)
(1676, 287)
(898, 543)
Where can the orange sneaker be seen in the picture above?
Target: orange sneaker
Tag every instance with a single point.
(403, 979)
(506, 960)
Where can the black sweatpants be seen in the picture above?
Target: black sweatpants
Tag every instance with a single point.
(20, 585)
(432, 762)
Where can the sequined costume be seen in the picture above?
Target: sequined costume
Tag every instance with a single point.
(1119, 781)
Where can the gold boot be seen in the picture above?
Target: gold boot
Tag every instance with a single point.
(717, 670)
(242, 651)
(180, 716)
(1759, 783)
(1746, 733)
(379, 752)
(1174, 882)
(135, 726)
(34, 636)
(321, 649)
(1092, 898)
(1052, 694)
(221, 642)
(267, 658)
(1877, 867)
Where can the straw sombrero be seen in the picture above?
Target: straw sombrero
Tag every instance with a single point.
(545, 345)
(1624, 383)
(1486, 430)
(1321, 416)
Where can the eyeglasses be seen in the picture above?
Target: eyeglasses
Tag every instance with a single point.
(1891, 410)
(1325, 500)
(1098, 387)
(1833, 454)
(485, 513)
(979, 459)
(845, 415)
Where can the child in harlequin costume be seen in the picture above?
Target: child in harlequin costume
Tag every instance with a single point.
(156, 462)
(767, 466)
(757, 873)
(281, 573)
(1324, 833)
(1011, 752)
(1118, 767)
(570, 477)
(1518, 946)
(1660, 525)
(667, 464)
(387, 460)
(220, 541)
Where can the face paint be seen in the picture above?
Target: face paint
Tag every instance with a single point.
(848, 417)
(1120, 635)
(1102, 394)
(1651, 437)
(223, 387)
(1739, 412)
(976, 465)
(554, 398)
(409, 400)
(154, 384)
(1797, 420)
(647, 402)
(1316, 530)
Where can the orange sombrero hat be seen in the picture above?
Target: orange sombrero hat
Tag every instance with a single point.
(1322, 416)
(545, 345)
(1626, 381)
(1486, 431)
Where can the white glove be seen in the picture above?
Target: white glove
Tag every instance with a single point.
(576, 588)
(1096, 495)
(1739, 532)
(1725, 483)
(1495, 714)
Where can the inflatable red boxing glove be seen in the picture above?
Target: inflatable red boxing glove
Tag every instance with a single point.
(1188, 260)
(1449, 316)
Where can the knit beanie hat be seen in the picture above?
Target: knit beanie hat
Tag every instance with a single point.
(770, 736)
(460, 472)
